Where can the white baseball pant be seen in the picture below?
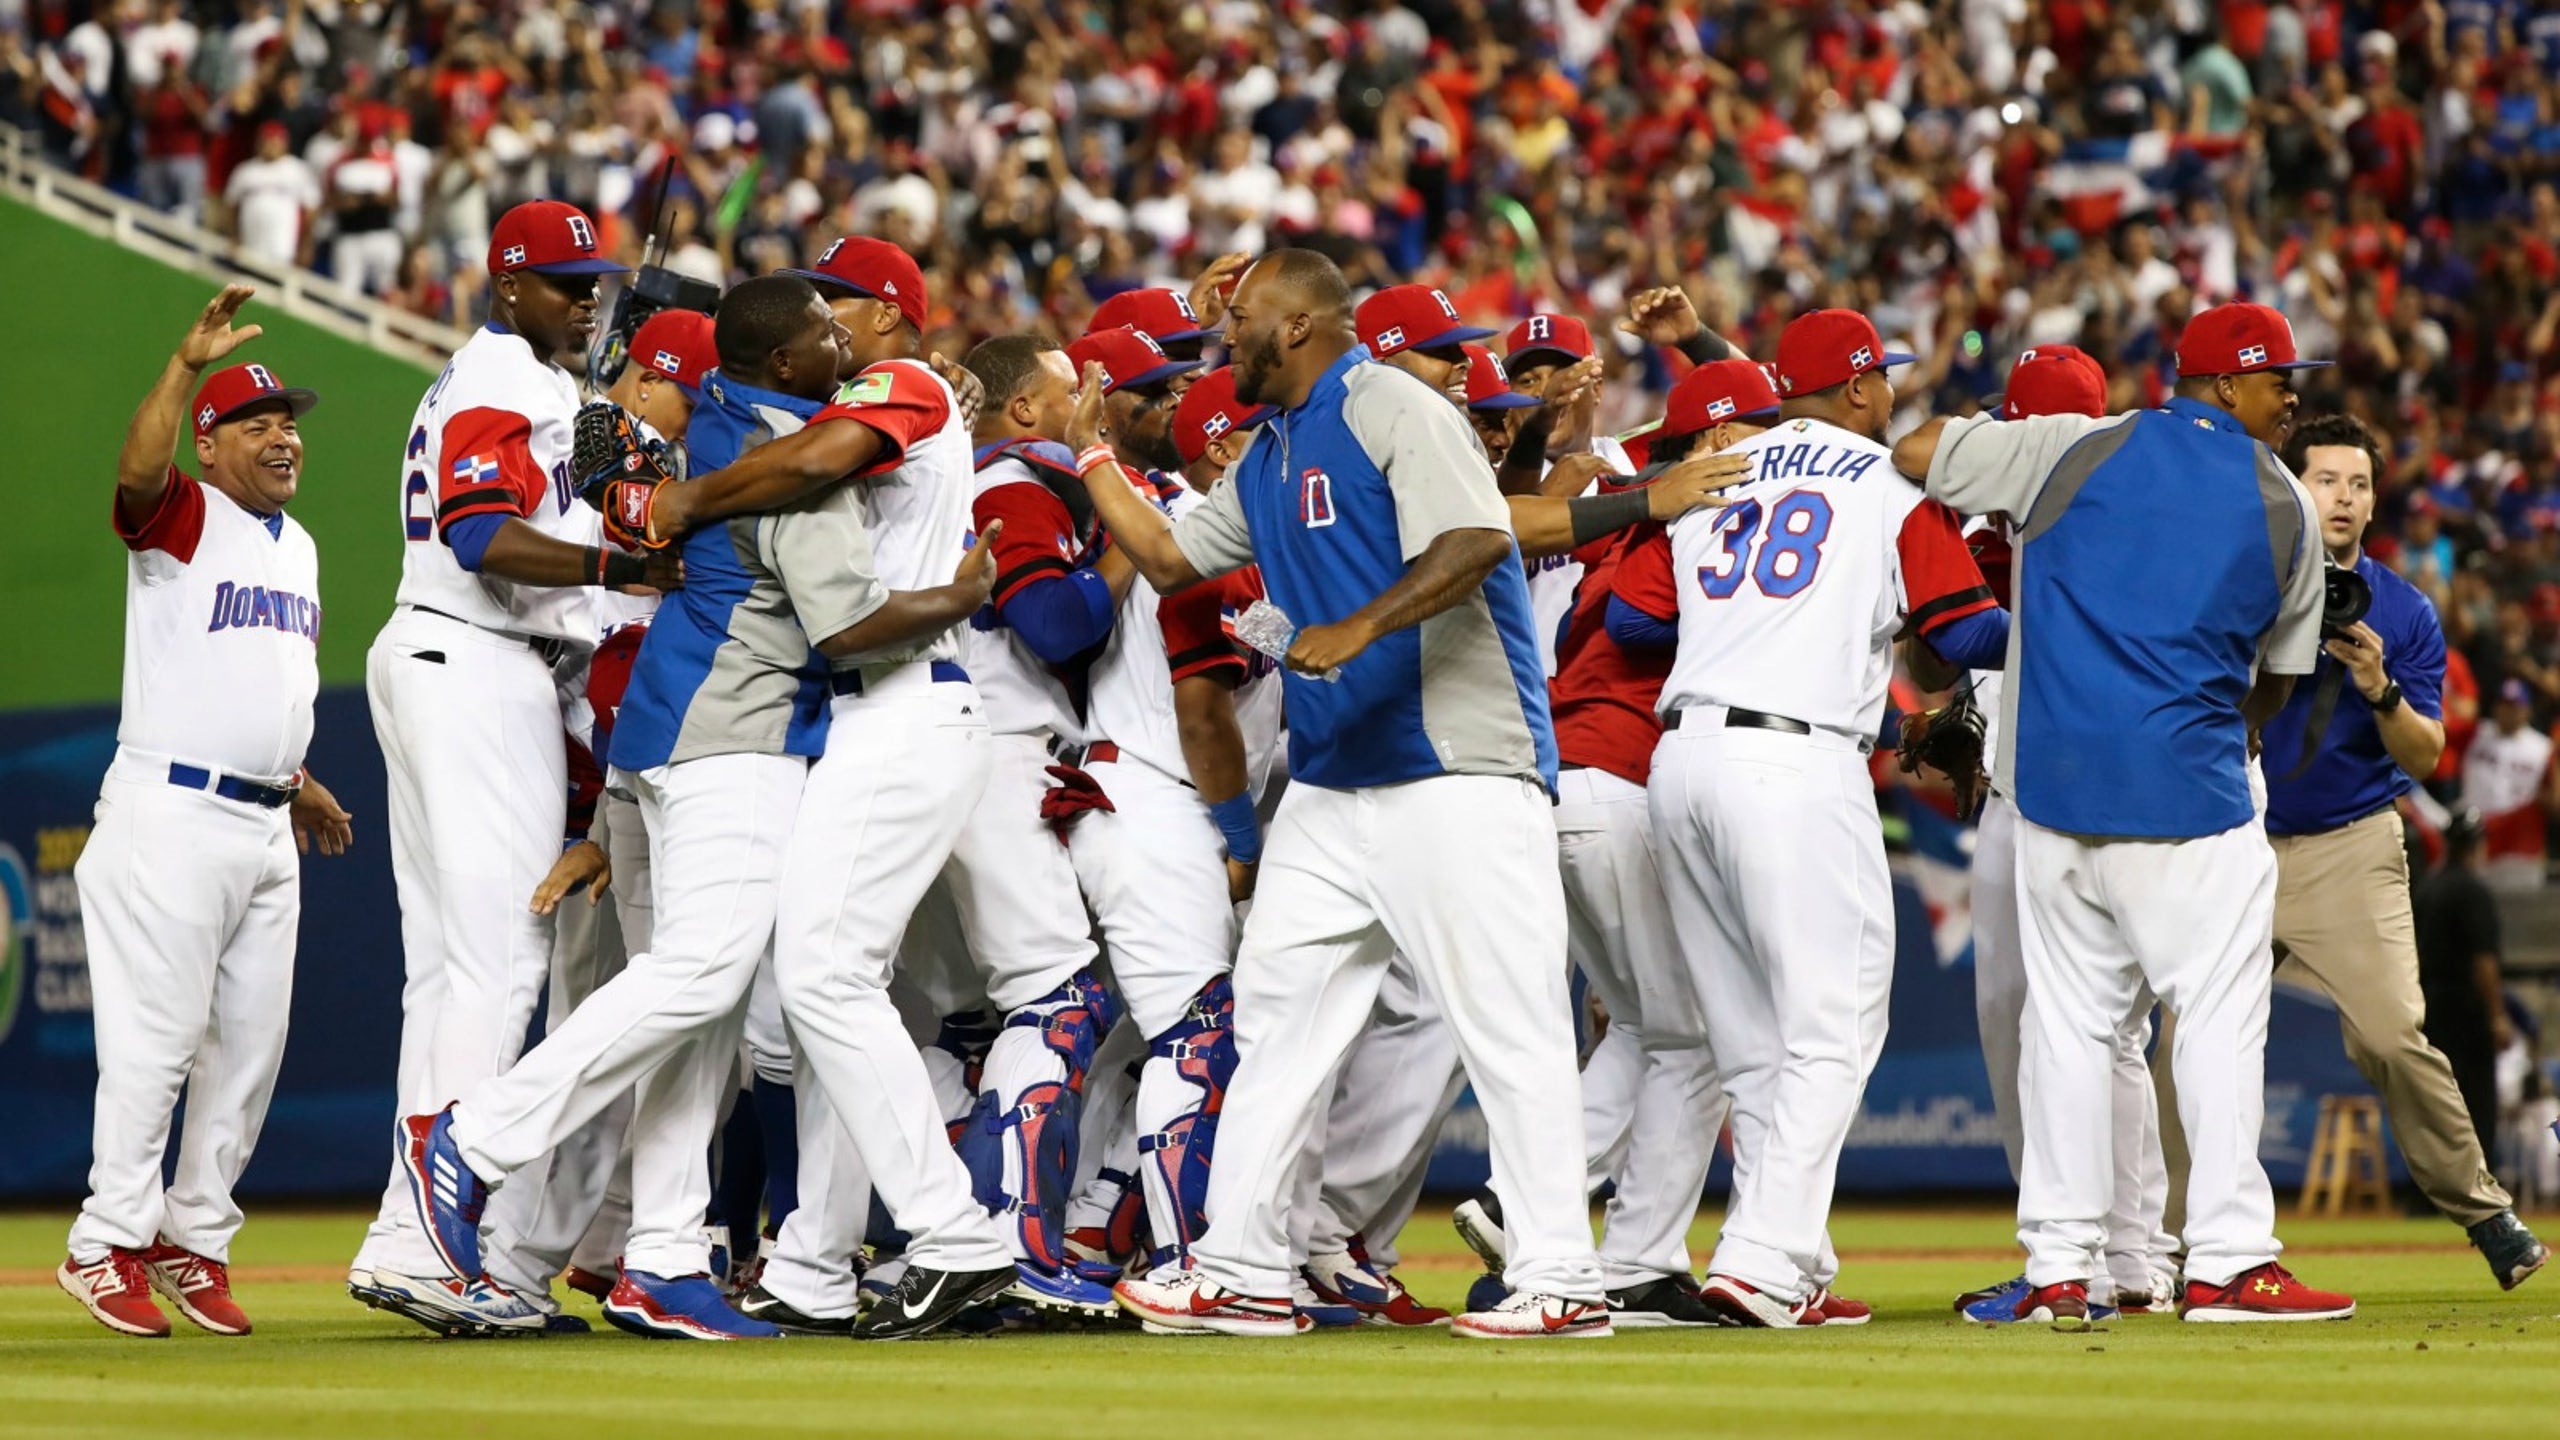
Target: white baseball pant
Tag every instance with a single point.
(478, 770)
(1777, 885)
(189, 905)
(1618, 930)
(2192, 919)
(670, 1022)
(906, 761)
(1372, 1148)
(588, 1188)
(1013, 887)
(2136, 1244)
(1459, 873)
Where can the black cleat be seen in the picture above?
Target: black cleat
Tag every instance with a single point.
(761, 1304)
(1657, 1303)
(2512, 1252)
(927, 1299)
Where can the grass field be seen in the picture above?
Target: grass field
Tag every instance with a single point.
(2436, 1350)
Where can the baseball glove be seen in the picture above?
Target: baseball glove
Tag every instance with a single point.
(618, 472)
(1949, 741)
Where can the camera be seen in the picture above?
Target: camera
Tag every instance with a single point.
(654, 289)
(2345, 602)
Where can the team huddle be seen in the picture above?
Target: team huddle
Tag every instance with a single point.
(1074, 820)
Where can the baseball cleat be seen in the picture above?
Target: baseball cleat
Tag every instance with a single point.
(590, 1283)
(449, 1197)
(2005, 1293)
(1532, 1316)
(2157, 1295)
(1484, 1293)
(1089, 1255)
(1840, 1309)
(1315, 1312)
(762, 1304)
(117, 1293)
(1478, 1221)
(200, 1288)
(1658, 1303)
(2268, 1293)
(876, 1281)
(1061, 1293)
(1743, 1303)
(2511, 1250)
(1352, 1278)
(679, 1307)
(2063, 1305)
(1188, 1304)
(477, 1309)
(928, 1299)
(556, 1323)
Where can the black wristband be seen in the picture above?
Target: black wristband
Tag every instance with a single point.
(617, 567)
(1597, 515)
(1704, 347)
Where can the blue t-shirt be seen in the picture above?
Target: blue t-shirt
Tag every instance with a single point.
(2354, 774)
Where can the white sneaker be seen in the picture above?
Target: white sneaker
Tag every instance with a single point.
(1532, 1316)
(1746, 1304)
(1187, 1304)
(450, 1307)
(1477, 1224)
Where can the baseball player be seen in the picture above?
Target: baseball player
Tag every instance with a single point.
(586, 1202)
(1182, 325)
(1416, 329)
(1492, 405)
(713, 737)
(1172, 698)
(1784, 607)
(495, 596)
(1543, 353)
(2170, 883)
(190, 890)
(1416, 817)
(2140, 1277)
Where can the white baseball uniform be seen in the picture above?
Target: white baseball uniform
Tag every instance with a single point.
(190, 890)
(1787, 605)
(469, 718)
(1555, 579)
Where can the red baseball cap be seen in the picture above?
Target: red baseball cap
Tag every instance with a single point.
(1729, 389)
(1165, 314)
(549, 238)
(2239, 339)
(676, 344)
(1489, 385)
(1129, 358)
(1411, 317)
(872, 268)
(1822, 348)
(2052, 380)
(1552, 339)
(1210, 409)
(226, 393)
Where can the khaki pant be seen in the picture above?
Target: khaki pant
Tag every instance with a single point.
(2343, 927)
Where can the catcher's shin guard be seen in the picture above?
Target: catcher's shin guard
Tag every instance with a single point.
(956, 1061)
(1188, 1068)
(1020, 1142)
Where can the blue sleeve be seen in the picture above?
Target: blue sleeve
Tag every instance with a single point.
(1632, 627)
(1062, 616)
(1979, 641)
(469, 537)
(2417, 661)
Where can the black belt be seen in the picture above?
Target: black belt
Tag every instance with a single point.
(1737, 718)
(549, 649)
(849, 682)
(229, 787)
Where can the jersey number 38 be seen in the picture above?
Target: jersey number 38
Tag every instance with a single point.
(1780, 557)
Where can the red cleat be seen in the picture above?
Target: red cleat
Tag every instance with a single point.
(2267, 1294)
(200, 1288)
(1742, 1303)
(116, 1292)
(2063, 1305)
(1841, 1310)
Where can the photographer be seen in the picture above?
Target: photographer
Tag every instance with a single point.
(2349, 743)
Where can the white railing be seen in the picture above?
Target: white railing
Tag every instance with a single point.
(24, 175)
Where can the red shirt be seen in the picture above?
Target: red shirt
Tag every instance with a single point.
(1603, 695)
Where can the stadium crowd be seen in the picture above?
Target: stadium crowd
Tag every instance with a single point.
(1980, 176)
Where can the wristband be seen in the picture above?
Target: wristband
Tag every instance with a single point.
(618, 567)
(1240, 825)
(1095, 455)
(1597, 515)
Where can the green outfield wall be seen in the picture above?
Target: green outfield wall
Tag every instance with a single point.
(84, 328)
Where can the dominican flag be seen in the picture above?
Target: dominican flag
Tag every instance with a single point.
(475, 469)
(2253, 355)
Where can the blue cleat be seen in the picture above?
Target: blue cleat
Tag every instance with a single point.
(1993, 1305)
(1487, 1293)
(679, 1307)
(1319, 1313)
(1062, 1293)
(449, 1197)
(480, 1309)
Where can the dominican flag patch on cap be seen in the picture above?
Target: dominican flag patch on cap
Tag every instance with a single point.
(512, 255)
(1719, 408)
(2253, 355)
